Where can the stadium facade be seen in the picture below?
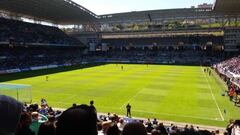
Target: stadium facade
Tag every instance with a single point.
(92, 29)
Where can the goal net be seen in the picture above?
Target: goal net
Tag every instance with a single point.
(21, 92)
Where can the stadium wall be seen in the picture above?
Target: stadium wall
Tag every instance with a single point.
(18, 70)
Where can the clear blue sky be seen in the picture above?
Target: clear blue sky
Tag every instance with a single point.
(116, 6)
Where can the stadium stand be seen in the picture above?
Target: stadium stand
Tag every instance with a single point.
(17, 32)
(231, 66)
(171, 40)
(160, 57)
(24, 58)
(25, 45)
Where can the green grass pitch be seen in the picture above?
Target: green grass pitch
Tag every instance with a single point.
(175, 93)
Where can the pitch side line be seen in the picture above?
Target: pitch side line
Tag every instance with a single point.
(213, 97)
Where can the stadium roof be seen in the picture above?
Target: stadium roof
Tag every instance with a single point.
(63, 12)
(227, 6)
(156, 15)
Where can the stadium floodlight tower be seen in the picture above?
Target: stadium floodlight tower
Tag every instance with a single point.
(21, 92)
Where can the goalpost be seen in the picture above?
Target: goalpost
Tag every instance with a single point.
(20, 92)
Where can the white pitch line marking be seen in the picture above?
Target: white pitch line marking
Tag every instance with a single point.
(177, 115)
(167, 114)
(213, 97)
(131, 99)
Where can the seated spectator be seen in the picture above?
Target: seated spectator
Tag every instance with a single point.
(236, 128)
(43, 101)
(37, 120)
(217, 132)
(230, 126)
(9, 115)
(24, 125)
(156, 132)
(33, 107)
(43, 110)
(50, 111)
(162, 129)
(191, 130)
(149, 127)
(204, 132)
(134, 128)
(52, 119)
(105, 126)
(74, 105)
(155, 122)
(47, 128)
(113, 130)
(120, 124)
(79, 120)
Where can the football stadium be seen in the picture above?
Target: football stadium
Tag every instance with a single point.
(64, 70)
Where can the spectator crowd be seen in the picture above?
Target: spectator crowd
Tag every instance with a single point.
(231, 65)
(27, 57)
(19, 32)
(18, 119)
(229, 71)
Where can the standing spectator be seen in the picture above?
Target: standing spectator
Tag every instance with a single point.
(128, 110)
(92, 105)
